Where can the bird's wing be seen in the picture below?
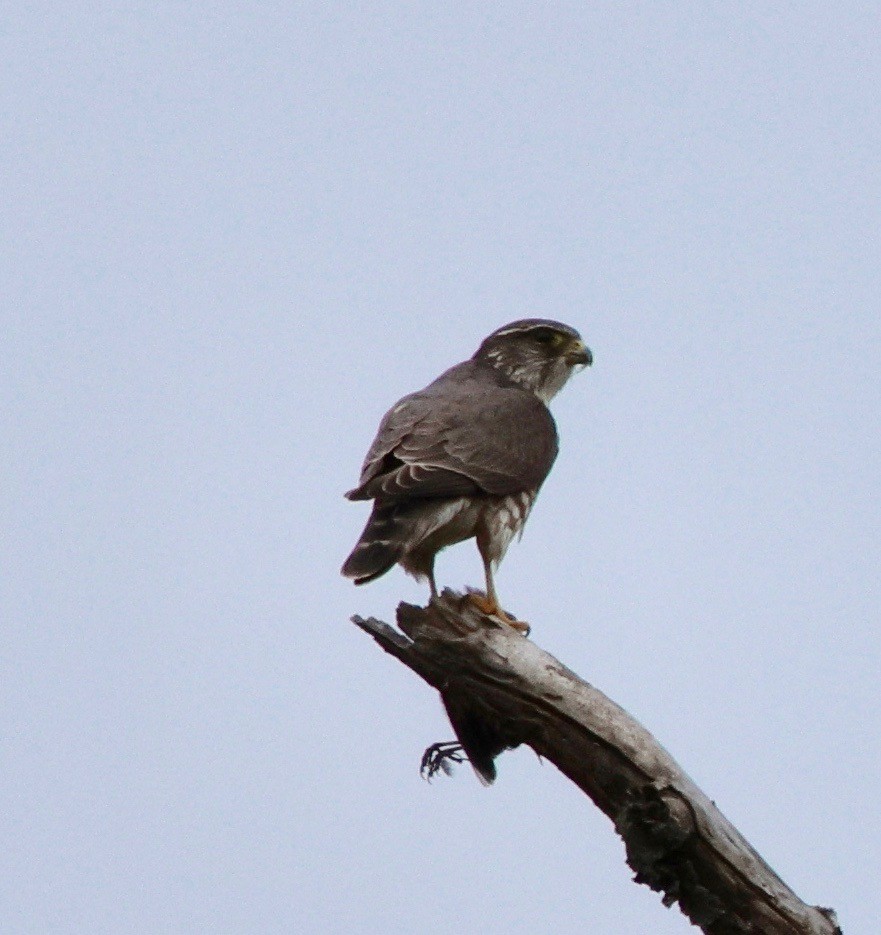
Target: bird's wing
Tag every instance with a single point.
(465, 433)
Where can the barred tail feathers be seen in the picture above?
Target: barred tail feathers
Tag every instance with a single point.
(379, 547)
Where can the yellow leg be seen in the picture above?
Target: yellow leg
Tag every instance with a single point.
(490, 605)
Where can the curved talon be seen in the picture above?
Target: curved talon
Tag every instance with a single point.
(491, 608)
(435, 759)
(521, 626)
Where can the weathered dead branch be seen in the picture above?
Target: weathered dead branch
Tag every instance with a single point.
(501, 690)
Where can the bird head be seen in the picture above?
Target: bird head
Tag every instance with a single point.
(538, 354)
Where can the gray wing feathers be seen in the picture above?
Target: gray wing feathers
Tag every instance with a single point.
(463, 434)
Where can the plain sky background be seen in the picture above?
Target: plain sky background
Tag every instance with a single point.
(232, 236)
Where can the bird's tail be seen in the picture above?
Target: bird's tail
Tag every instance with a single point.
(379, 547)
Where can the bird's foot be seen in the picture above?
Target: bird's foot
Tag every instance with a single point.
(438, 758)
(491, 608)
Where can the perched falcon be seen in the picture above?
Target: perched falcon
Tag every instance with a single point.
(466, 456)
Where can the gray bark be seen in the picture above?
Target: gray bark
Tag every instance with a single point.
(501, 690)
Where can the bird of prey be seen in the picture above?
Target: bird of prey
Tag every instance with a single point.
(465, 457)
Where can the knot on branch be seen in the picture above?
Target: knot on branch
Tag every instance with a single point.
(656, 824)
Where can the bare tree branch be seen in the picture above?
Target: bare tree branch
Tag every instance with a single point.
(501, 690)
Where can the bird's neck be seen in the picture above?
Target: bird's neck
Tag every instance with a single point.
(543, 380)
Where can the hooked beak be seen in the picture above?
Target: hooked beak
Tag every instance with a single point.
(579, 353)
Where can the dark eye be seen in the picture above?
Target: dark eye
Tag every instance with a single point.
(546, 336)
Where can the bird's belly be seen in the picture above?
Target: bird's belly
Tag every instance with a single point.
(441, 523)
(445, 522)
(503, 518)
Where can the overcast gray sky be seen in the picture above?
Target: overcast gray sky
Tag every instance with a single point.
(233, 235)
